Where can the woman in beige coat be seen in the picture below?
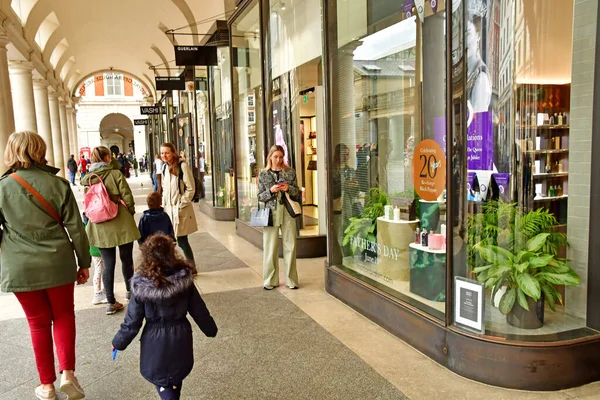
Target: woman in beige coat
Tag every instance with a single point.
(177, 196)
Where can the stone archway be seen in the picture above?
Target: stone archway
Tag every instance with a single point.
(116, 132)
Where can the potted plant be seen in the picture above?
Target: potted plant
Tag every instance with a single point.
(364, 227)
(521, 254)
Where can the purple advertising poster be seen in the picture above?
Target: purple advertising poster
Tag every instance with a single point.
(480, 142)
(439, 132)
(434, 6)
(502, 182)
(408, 5)
(470, 179)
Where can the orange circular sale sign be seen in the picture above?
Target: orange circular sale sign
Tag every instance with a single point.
(429, 170)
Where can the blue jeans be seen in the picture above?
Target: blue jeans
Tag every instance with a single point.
(72, 176)
(155, 182)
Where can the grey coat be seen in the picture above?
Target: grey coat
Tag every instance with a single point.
(266, 179)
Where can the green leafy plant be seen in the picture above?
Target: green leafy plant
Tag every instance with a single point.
(365, 225)
(521, 251)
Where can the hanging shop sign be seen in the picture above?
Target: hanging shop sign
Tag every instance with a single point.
(152, 110)
(429, 170)
(170, 82)
(434, 5)
(469, 304)
(140, 122)
(420, 6)
(195, 55)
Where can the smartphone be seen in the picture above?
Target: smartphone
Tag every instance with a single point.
(279, 182)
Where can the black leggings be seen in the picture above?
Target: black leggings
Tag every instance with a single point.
(184, 243)
(109, 257)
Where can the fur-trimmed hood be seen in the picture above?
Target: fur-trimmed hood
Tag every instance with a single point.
(143, 288)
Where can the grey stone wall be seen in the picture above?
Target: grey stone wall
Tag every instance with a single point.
(580, 148)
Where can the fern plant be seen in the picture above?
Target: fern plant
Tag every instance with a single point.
(365, 225)
(521, 250)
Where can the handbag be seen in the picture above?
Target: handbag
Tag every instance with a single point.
(261, 217)
(292, 206)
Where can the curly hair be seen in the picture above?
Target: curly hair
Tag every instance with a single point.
(159, 257)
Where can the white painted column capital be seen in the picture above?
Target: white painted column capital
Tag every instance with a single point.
(4, 40)
(21, 82)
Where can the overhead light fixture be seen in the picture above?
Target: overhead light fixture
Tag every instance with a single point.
(257, 30)
(282, 6)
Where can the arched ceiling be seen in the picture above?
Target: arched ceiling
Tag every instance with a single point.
(116, 124)
(113, 34)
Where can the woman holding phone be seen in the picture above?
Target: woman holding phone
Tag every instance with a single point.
(273, 182)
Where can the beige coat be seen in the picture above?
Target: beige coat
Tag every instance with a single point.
(179, 206)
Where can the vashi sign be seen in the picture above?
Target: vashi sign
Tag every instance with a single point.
(152, 110)
(429, 170)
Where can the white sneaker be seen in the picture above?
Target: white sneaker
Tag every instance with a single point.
(43, 394)
(69, 385)
(99, 298)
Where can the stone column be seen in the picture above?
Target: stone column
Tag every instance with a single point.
(72, 144)
(21, 83)
(75, 128)
(64, 133)
(42, 108)
(7, 122)
(59, 160)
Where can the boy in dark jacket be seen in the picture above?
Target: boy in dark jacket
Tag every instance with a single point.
(154, 219)
(163, 293)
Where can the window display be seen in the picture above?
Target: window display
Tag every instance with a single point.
(514, 228)
(389, 161)
(223, 174)
(247, 91)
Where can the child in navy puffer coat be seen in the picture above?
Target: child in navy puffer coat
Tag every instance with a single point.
(163, 293)
(155, 219)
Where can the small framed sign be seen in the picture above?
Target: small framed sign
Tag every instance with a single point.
(469, 304)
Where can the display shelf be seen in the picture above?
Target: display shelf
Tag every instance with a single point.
(426, 249)
(548, 151)
(551, 175)
(553, 198)
(543, 127)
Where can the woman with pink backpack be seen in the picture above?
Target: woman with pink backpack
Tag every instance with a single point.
(110, 208)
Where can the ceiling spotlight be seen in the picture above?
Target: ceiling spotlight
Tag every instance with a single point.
(282, 6)
(257, 30)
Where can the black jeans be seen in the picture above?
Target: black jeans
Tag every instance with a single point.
(109, 257)
(171, 392)
(184, 243)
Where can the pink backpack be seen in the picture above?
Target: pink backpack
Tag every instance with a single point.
(97, 203)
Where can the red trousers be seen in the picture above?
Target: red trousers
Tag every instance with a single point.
(47, 309)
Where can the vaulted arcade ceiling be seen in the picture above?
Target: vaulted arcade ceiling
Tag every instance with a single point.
(69, 40)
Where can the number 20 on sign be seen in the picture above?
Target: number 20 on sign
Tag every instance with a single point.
(429, 170)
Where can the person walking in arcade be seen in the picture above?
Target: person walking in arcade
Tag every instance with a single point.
(42, 244)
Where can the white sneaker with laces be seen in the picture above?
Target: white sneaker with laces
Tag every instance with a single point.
(69, 385)
(99, 298)
(45, 394)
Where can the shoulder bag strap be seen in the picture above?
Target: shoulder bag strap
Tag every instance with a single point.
(49, 209)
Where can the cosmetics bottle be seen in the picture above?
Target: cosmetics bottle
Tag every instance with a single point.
(557, 143)
(565, 119)
(396, 214)
(560, 167)
(560, 119)
(551, 121)
(424, 238)
(417, 236)
(555, 119)
(559, 192)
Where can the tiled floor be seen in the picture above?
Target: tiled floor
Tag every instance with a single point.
(279, 344)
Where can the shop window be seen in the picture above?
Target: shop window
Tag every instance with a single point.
(521, 172)
(388, 179)
(247, 91)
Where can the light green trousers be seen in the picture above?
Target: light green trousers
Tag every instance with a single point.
(281, 218)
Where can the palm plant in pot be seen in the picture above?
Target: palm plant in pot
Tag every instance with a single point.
(522, 255)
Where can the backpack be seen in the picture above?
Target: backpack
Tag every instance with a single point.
(97, 203)
(196, 197)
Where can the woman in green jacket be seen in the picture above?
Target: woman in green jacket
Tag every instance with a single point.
(38, 260)
(120, 231)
